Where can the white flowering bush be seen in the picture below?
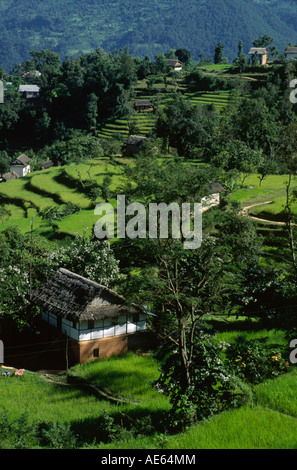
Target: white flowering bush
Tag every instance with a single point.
(92, 259)
(14, 294)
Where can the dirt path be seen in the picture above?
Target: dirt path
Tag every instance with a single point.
(95, 390)
(245, 212)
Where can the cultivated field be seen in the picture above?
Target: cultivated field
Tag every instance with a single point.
(111, 404)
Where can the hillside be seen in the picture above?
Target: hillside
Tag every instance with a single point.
(147, 28)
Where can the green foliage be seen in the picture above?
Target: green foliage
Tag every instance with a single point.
(89, 258)
(210, 390)
(59, 436)
(22, 433)
(55, 213)
(139, 26)
(254, 361)
(19, 433)
(76, 149)
(4, 162)
(186, 127)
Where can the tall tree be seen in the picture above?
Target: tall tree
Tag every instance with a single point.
(218, 56)
(182, 285)
(185, 126)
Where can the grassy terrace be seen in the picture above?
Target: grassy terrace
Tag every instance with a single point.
(160, 93)
(267, 200)
(26, 197)
(267, 421)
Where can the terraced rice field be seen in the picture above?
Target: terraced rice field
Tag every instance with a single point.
(140, 124)
(26, 197)
(218, 99)
(143, 123)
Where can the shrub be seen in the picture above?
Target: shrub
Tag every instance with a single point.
(59, 436)
(18, 433)
(211, 389)
(254, 361)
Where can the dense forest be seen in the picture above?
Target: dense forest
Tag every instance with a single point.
(73, 28)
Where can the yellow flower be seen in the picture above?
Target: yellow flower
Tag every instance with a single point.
(275, 358)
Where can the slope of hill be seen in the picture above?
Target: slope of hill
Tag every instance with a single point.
(147, 27)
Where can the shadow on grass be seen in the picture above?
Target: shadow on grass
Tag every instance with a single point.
(109, 426)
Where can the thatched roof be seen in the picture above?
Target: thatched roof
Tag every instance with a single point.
(216, 187)
(174, 63)
(10, 176)
(257, 50)
(21, 160)
(74, 297)
(135, 140)
(291, 50)
(142, 103)
(29, 89)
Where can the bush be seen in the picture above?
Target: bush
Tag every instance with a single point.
(254, 361)
(18, 433)
(211, 389)
(59, 436)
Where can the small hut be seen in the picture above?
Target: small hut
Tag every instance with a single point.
(97, 321)
(21, 165)
(143, 105)
(174, 64)
(133, 145)
(259, 52)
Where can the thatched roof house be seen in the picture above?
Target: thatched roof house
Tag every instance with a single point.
(8, 176)
(174, 64)
(45, 165)
(261, 53)
(93, 316)
(291, 52)
(21, 165)
(133, 144)
(29, 91)
(76, 298)
(143, 105)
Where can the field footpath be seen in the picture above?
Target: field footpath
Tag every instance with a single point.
(52, 376)
(245, 212)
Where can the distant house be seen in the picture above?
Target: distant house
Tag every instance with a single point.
(29, 91)
(97, 321)
(133, 145)
(45, 165)
(261, 53)
(8, 177)
(291, 53)
(143, 105)
(21, 165)
(174, 64)
(214, 196)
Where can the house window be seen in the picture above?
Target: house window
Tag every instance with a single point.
(96, 352)
(90, 324)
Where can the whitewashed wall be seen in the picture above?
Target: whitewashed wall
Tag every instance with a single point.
(21, 170)
(102, 328)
